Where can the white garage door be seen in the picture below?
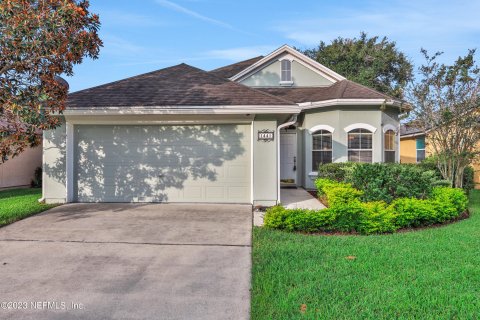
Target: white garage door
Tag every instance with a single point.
(204, 163)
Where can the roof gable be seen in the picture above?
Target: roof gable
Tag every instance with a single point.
(301, 58)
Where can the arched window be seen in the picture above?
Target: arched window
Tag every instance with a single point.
(321, 148)
(360, 145)
(286, 71)
(389, 146)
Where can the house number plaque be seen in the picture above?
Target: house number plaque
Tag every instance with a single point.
(266, 135)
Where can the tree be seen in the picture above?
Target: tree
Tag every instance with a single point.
(446, 103)
(39, 41)
(373, 62)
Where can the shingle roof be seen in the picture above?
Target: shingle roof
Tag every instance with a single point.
(180, 85)
(344, 89)
(233, 69)
(411, 128)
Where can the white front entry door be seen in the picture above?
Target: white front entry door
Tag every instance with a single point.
(288, 157)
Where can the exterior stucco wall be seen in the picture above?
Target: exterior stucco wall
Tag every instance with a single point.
(264, 161)
(19, 171)
(54, 165)
(408, 150)
(340, 119)
(265, 171)
(269, 76)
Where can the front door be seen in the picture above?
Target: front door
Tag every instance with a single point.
(288, 157)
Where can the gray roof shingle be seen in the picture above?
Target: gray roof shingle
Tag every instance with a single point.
(411, 128)
(233, 69)
(344, 89)
(180, 85)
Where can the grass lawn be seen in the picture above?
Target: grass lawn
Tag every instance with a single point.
(16, 204)
(426, 274)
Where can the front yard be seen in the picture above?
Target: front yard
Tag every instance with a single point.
(16, 204)
(426, 274)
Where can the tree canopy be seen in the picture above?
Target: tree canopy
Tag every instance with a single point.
(39, 41)
(446, 101)
(374, 62)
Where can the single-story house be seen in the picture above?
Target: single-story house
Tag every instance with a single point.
(231, 135)
(414, 148)
(20, 170)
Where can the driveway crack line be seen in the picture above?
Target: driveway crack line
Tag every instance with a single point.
(127, 242)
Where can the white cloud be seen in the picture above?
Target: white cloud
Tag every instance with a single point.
(240, 53)
(118, 46)
(435, 25)
(231, 54)
(191, 13)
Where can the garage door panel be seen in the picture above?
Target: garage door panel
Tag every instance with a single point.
(163, 163)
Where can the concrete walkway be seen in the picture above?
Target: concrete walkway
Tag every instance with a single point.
(299, 198)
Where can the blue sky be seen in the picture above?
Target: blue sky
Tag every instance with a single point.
(146, 35)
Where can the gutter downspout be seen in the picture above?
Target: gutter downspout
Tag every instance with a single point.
(292, 120)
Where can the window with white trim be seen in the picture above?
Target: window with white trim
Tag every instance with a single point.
(360, 145)
(321, 148)
(389, 138)
(286, 71)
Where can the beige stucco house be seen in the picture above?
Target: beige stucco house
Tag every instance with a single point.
(414, 149)
(20, 170)
(234, 134)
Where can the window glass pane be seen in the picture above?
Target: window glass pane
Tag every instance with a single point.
(353, 156)
(421, 143)
(322, 140)
(327, 142)
(420, 155)
(286, 70)
(317, 142)
(320, 157)
(389, 156)
(390, 140)
(365, 156)
(366, 141)
(353, 141)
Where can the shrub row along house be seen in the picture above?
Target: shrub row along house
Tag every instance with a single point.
(232, 135)
(414, 148)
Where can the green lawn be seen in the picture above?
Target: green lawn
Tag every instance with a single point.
(16, 204)
(427, 274)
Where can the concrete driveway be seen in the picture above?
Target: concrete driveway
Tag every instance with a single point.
(128, 261)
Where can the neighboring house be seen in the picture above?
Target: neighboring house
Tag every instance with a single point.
(231, 135)
(20, 170)
(413, 148)
(412, 144)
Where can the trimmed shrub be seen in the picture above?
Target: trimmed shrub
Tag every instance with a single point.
(456, 197)
(310, 220)
(389, 181)
(378, 217)
(335, 193)
(412, 212)
(278, 217)
(347, 213)
(275, 217)
(445, 204)
(339, 172)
